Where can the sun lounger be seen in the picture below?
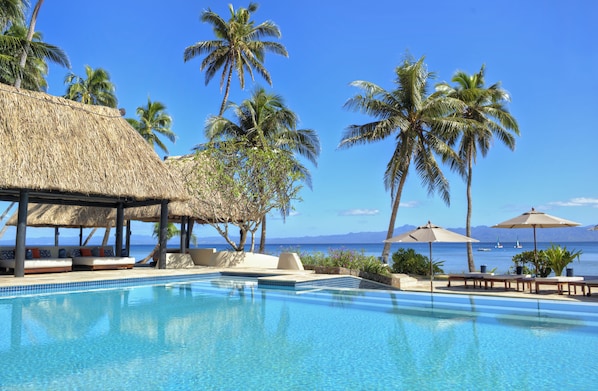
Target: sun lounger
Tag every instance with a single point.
(46, 265)
(475, 277)
(583, 285)
(99, 258)
(558, 281)
(504, 278)
(42, 260)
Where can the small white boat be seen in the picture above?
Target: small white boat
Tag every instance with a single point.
(517, 244)
(484, 249)
(498, 244)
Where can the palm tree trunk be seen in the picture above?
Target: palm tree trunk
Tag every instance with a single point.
(30, 33)
(93, 231)
(151, 255)
(106, 236)
(263, 236)
(470, 261)
(226, 90)
(393, 217)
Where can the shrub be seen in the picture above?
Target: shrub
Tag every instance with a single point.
(374, 266)
(526, 258)
(558, 258)
(314, 259)
(410, 262)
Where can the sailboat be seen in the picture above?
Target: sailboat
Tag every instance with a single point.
(517, 244)
(498, 244)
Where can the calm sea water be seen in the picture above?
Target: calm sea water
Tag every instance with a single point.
(454, 255)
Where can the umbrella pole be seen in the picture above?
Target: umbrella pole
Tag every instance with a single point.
(535, 251)
(431, 270)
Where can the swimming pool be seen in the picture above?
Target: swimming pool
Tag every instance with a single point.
(228, 333)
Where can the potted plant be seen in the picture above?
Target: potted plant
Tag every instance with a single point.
(558, 258)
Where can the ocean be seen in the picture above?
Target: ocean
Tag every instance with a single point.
(454, 255)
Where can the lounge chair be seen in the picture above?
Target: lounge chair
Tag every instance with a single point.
(583, 285)
(99, 258)
(504, 278)
(42, 260)
(475, 277)
(559, 281)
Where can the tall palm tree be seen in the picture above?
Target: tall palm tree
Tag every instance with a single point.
(33, 75)
(27, 45)
(487, 117)
(153, 121)
(93, 89)
(419, 124)
(264, 120)
(238, 47)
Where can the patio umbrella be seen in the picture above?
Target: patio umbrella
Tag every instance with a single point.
(430, 233)
(534, 219)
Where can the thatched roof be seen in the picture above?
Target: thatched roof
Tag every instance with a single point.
(65, 151)
(68, 216)
(178, 166)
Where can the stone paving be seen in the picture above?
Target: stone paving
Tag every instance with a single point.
(440, 286)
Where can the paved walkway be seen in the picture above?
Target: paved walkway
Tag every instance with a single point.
(440, 286)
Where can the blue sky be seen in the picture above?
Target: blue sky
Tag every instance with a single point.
(543, 52)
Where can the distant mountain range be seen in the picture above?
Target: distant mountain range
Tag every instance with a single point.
(482, 233)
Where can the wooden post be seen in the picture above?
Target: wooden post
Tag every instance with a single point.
(21, 234)
(163, 233)
(184, 228)
(128, 238)
(120, 219)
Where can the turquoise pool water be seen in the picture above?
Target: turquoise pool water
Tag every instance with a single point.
(227, 333)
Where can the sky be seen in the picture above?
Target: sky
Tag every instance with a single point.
(543, 52)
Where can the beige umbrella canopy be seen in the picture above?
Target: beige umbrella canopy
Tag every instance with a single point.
(430, 233)
(534, 219)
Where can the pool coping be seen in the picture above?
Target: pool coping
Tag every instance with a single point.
(273, 277)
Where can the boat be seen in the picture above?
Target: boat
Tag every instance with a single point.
(517, 244)
(484, 249)
(498, 244)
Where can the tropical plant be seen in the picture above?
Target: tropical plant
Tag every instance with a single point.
(11, 11)
(264, 121)
(93, 89)
(558, 258)
(171, 232)
(408, 261)
(24, 59)
(419, 123)
(486, 117)
(232, 184)
(539, 262)
(238, 47)
(153, 121)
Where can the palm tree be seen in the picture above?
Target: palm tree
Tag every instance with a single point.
(487, 117)
(32, 76)
(238, 47)
(93, 89)
(23, 55)
(153, 121)
(419, 125)
(264, 120)
(11, 11)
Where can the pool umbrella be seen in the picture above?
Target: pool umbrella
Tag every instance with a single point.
(430, 233)
(534, 219)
